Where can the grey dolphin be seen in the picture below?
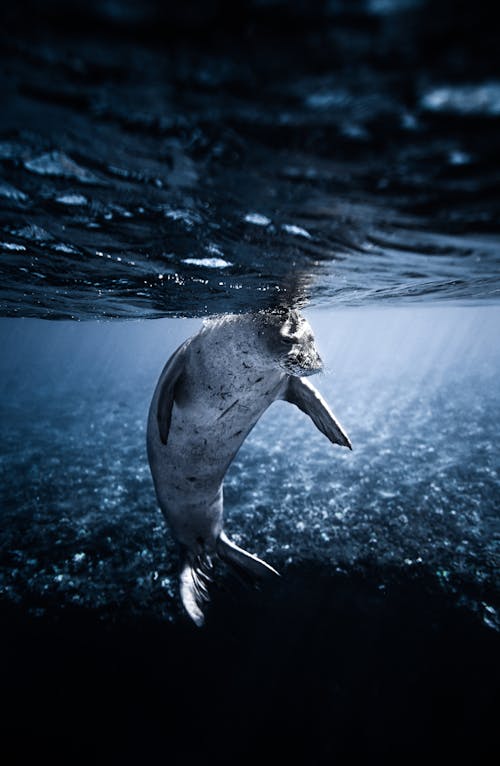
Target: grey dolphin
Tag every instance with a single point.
(211, 393)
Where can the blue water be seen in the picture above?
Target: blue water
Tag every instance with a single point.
(416, 390)
(160, 163)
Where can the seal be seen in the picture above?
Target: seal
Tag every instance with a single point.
(211, 393)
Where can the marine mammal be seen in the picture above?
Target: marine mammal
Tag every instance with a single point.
(211, 393)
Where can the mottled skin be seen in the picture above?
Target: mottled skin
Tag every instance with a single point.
(211, 393)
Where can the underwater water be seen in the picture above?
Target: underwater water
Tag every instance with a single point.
(160, 164)
(388, 554)
(416, 390)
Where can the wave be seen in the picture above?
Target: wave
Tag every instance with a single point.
(141, 179)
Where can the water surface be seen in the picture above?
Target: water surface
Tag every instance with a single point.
(159, 168)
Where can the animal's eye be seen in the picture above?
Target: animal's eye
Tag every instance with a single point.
(287, 340)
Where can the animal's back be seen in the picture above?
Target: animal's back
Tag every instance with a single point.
(217, 397)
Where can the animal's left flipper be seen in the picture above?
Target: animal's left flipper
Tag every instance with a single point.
(303, 394)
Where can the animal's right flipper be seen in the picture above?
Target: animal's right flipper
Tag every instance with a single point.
(166, 390)
(303, 394)
(254, 568)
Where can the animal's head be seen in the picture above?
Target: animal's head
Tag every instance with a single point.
(290, 339)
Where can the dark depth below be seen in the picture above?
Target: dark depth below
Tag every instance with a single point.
(319, 667)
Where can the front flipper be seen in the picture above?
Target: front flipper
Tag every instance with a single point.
(301, 393)
(168, 381)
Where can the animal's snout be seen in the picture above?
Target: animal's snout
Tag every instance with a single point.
(318, 364)
(304, 362)
(314, 363)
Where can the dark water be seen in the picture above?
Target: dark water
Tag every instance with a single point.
(389, 602)
(179, 161)
(218, 159)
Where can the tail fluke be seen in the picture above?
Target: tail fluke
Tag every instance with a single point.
(243, 561)
(196, 575)
(194, 579)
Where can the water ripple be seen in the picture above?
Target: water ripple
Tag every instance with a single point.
(317, 181)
